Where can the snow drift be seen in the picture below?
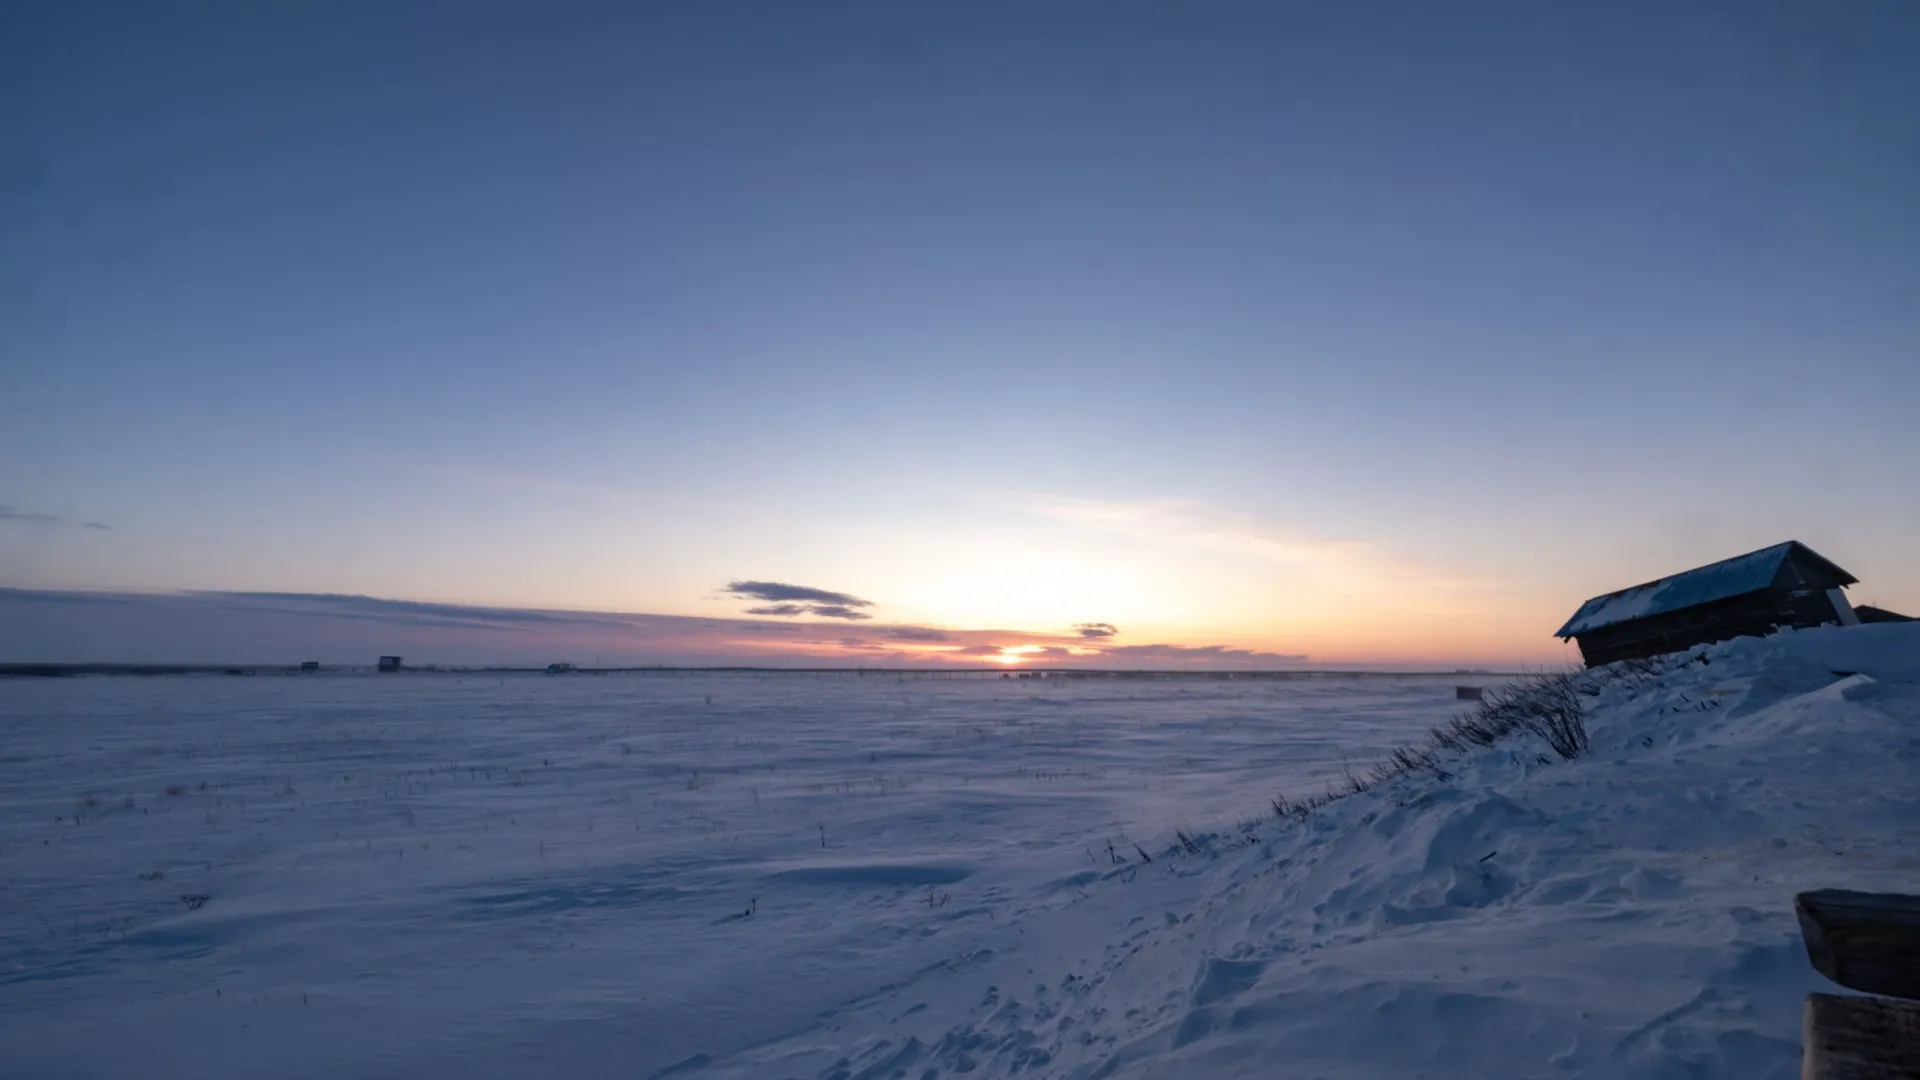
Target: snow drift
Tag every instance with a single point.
(862, 879)
(1628, 914)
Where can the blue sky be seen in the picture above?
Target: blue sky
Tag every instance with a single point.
(1335, 330)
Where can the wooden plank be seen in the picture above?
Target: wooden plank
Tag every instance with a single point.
(1859, 1038)
(1863, 941)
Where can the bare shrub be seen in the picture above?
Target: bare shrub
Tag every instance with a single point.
(1547, 706)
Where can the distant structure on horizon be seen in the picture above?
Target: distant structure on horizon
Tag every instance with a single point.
(1787, 584)
(1868, 614)
(388, 664)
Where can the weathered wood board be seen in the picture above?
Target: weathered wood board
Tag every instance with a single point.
(1860, 1038)
(1864, 941)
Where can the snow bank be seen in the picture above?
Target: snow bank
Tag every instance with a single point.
(1625, 915)
(860, 879)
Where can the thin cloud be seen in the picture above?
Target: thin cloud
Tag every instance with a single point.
(1182, 523)
(915, 633)
(412, 611)
(221, 626)
(8, 513)
(782, 610)
(49, 596)
(1357, 566)
(837, 611)
(769, 628)
(779, 592)
(1190, 653)
(28, 517)
(1096, 629)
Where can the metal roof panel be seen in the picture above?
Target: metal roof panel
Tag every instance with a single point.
(1717, 581)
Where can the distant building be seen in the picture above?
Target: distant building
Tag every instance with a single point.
(1787, 584)
(309, 665)
(559, 669)
(389, 664)
(1869, 613)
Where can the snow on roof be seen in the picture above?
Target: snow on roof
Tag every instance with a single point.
(1717, 581)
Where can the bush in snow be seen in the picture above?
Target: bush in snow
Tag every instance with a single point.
(1544, 705)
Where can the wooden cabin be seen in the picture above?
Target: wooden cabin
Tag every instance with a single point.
(1787, 584)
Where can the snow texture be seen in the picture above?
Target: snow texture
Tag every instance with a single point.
(836, 877)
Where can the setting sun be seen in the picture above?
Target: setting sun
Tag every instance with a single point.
(1014, 654)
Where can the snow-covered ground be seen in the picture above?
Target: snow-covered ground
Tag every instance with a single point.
(838, 877)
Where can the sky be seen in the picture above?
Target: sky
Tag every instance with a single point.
(1258, 333)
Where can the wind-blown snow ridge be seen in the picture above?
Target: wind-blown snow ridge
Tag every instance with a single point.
(1626, 915)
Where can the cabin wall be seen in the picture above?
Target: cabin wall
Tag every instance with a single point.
(1752, 614)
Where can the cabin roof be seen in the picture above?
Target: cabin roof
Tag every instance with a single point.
(1739, 575)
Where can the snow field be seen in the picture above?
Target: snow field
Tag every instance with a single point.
(506, 875)
(1625, 915)
(601, 877)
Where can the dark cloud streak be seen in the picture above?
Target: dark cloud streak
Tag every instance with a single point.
(780, 592)
(27, 517)
(411, 611)
(837, 611)
(1188, 653)
(915, 633)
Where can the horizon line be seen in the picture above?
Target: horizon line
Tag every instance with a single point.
(59, 669)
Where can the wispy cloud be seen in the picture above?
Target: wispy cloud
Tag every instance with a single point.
(1352, 569)
(780, 592)
(238, 625)
(791, 601)
(1096, 630)
(1204, 653)
(837, 611)
(416, 612)
(916, 634)
(51, 596)
(750, 627)
(825, 611)
(1183, 523)
(24, 517)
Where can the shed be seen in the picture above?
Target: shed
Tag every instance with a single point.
(389, 664)
(1787, 584)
